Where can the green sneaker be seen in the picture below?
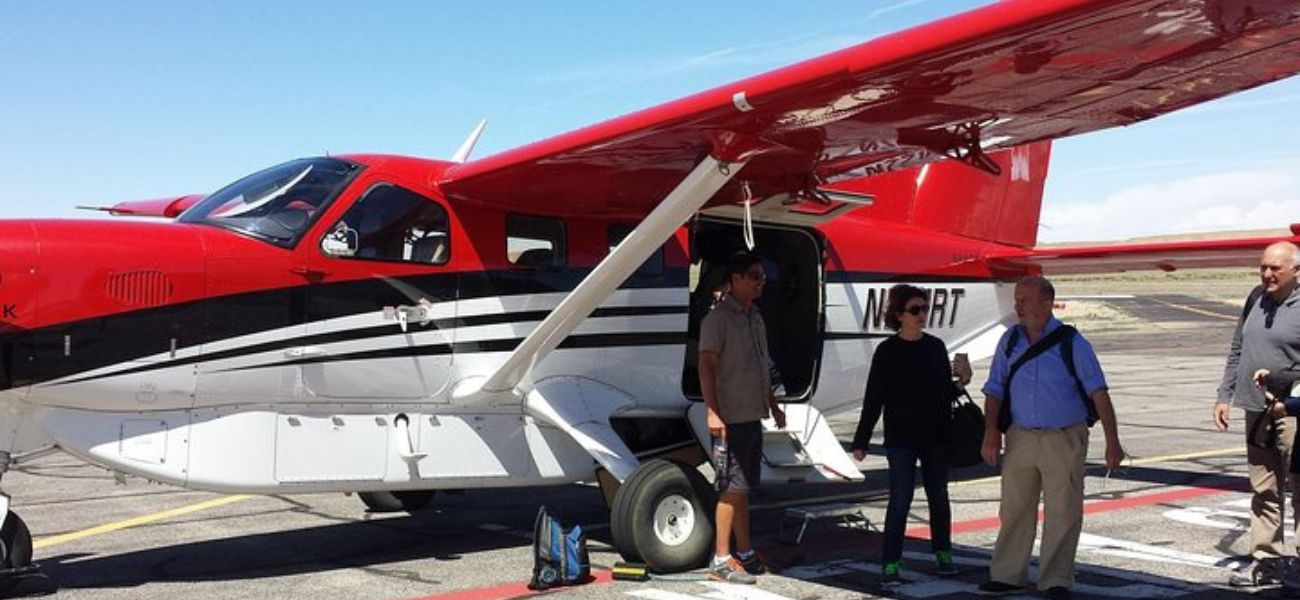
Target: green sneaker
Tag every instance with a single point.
(946, 568)
(892, 574)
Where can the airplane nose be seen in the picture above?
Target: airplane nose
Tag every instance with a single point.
(18, 285)
(18, 260)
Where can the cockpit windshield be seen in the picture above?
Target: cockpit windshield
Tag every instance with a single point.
(277, 204)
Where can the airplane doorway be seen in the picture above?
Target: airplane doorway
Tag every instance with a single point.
(792, 303)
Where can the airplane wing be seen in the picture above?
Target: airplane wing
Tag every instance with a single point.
(1133, 256)
(1007, 74)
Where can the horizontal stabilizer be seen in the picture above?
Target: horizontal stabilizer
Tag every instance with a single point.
(1136, 256)
(168, 208)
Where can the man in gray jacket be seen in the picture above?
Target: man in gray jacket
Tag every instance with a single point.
(1267, 337)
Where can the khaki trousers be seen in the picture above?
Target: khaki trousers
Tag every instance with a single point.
(1046, 462)
(1268, 466)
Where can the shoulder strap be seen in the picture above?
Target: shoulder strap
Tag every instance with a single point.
(1067, 355)
(1067, 352)
(1251, 301)
(1012, 339)
(1042, 345)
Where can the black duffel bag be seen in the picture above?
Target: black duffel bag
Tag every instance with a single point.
(965, 432)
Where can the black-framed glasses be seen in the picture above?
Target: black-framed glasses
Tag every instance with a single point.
(917, 309)
(756, 275)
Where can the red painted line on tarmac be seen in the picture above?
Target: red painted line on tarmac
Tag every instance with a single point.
(1100, 506)
(515, 590)
(520, 590)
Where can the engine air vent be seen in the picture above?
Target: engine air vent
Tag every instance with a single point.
(140, 288)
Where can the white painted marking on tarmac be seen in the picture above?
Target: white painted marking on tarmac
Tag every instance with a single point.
(654, 594)
(1125, 549)
(1214, 518)
(719, 591)
(729, 591)
(1098, 297)
(920, 586)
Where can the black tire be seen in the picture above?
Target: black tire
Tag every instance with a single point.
(385, 502)
(671, 496)
(15, 542)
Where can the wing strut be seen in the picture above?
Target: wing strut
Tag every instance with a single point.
(696, 189)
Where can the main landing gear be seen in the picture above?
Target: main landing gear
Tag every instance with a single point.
(663, 516)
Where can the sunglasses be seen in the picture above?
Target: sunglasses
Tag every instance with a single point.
(917, 309)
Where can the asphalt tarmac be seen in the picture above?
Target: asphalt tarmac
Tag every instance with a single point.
(1169, 525)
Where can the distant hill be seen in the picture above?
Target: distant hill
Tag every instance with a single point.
(1176, 237)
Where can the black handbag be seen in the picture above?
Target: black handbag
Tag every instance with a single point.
(965, 432)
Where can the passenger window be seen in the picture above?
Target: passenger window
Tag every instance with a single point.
(392, 224)
(535, 242)
(652, 267)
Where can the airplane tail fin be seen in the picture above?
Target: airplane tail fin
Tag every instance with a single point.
(954, 198)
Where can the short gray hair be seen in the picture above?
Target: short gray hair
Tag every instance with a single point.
(1045, 288)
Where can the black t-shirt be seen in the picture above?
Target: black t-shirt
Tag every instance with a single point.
(912, 382)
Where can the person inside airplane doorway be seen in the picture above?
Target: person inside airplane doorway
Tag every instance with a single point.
(734, 377)
(912, 381)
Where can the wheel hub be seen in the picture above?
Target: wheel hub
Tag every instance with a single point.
(674, 520)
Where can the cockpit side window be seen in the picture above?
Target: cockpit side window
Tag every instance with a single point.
(390, 223)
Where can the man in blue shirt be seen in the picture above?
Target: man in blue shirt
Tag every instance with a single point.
(1046, 441)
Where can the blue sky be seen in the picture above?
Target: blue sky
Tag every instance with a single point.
(102, 102)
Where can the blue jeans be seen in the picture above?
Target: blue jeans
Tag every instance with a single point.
(902, 484)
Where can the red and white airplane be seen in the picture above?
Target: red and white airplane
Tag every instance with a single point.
(394, 326)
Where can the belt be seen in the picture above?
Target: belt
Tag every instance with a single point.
(1047, 429)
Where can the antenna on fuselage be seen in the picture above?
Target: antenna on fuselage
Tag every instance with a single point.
(463, 154)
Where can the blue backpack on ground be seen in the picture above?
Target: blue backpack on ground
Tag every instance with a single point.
(559, 555)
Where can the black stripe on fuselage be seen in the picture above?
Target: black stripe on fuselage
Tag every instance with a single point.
(37, 356)
(584, 341)
(832, 336)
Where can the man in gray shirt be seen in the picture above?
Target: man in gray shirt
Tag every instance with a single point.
(735, 378)
(1267, 337)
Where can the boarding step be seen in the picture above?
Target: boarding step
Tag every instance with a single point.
(852, 515)
(782, 449)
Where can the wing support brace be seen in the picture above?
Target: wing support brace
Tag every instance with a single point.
(688, 197)
(960, 142)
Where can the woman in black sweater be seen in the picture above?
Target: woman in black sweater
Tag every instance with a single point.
(912, 381)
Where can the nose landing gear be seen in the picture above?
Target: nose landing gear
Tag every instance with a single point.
(15, 544)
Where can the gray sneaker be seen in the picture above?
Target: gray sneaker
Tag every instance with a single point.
(1263, 573)
(731, 572)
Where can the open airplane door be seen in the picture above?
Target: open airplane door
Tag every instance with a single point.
(806, 451)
